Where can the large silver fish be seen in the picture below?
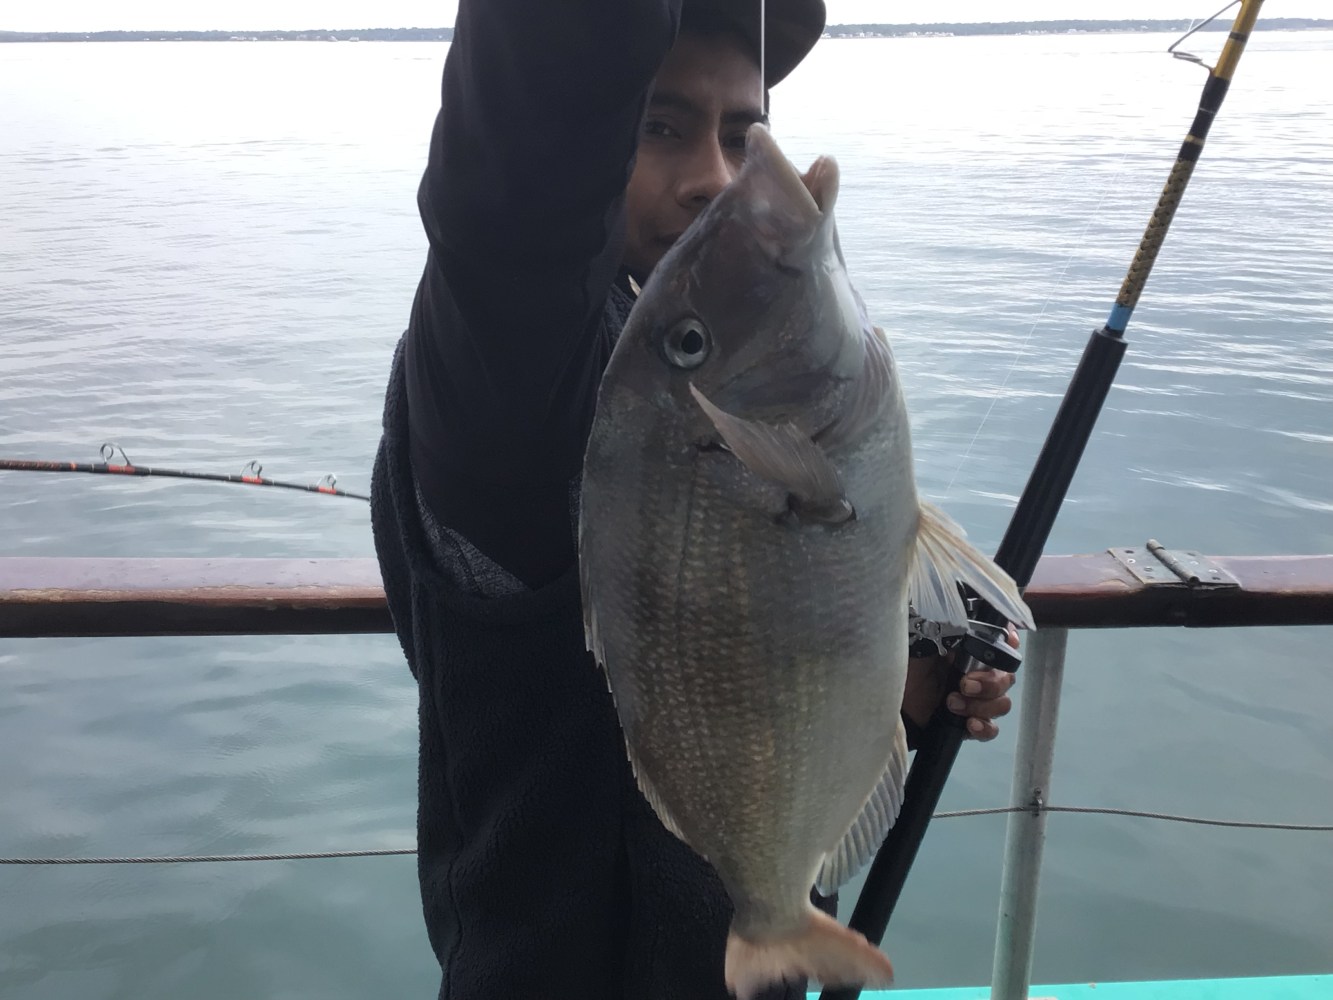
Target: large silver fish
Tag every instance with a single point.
(750, 537)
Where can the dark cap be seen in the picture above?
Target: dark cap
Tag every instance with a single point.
(791, 29)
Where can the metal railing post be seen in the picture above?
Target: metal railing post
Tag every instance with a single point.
(1015, 931)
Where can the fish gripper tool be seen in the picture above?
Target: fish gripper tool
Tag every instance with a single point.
(985, 643)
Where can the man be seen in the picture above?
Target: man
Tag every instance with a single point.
(574, 144)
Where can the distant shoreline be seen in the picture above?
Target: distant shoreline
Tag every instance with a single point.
(941, 30)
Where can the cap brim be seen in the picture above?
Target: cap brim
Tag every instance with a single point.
(791, 28)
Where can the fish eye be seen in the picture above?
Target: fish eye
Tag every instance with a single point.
(686, 344)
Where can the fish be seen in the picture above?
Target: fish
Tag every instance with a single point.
(750, 538)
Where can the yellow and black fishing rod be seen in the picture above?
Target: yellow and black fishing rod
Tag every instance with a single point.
(1214, 91)
(1042, 497)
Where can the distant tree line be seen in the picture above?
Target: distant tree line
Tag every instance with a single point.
(1060, 27)
(834, 31)
(311, 35)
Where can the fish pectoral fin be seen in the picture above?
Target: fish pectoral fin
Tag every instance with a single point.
(944, 558)
(872, 824)
(871, 391)
(785, 455)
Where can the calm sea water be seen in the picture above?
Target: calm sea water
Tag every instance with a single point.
(207, 253)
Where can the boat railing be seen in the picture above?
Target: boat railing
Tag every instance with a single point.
(1133, 587)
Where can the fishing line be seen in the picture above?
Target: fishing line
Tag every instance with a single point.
(1050, 297)
(1127, 293)
(1187, 57)
(763, 45)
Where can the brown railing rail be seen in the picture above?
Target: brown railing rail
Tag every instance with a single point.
(1117, 588)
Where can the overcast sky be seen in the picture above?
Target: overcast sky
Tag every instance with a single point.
(101, 15)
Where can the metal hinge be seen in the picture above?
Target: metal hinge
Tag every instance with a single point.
(1157, 566)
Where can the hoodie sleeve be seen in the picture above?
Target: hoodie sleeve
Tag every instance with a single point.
(522, 202)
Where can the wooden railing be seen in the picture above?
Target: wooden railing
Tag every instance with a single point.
(1117, 588)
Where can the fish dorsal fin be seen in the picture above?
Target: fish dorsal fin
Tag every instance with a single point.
(872, 824)
(942, 560)
(785, 455)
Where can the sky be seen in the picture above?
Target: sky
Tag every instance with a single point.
(99, 15)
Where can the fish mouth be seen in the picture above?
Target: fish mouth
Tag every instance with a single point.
(763, 155)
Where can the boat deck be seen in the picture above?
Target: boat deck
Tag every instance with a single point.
(1267, 988)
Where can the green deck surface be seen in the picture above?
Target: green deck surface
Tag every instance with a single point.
(1268, 988)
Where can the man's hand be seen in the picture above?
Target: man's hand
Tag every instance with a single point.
(984, 694)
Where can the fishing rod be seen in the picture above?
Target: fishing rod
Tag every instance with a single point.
(250, 475)
(1042, 497)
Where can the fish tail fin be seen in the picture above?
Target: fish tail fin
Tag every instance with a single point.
(943, 558)
(823, 949)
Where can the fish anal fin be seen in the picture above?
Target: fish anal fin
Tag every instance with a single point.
(651, 793)
(872, 824)
(943, 559)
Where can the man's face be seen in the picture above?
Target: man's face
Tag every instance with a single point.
(707, 93)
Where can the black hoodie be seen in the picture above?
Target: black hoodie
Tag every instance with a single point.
(543, 871)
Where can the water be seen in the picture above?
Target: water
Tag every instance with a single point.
(208, 252)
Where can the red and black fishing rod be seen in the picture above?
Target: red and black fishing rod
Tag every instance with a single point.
(250, 475)
(1040, 503)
